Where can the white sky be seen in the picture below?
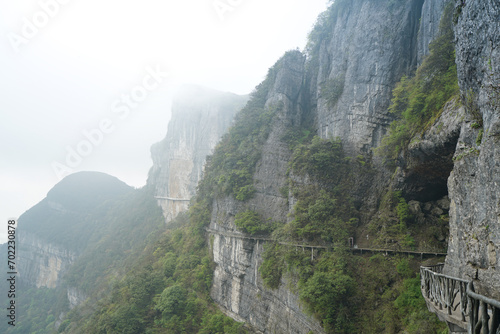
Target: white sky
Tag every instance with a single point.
(76, 58)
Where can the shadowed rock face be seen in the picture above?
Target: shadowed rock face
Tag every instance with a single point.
(199, 119)
(427, 163)
(474, 185)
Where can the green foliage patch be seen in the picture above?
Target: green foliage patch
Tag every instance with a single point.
(324, 160)
(392, 285)
(166, 289)
(332, 89)
(250, 222)
(323, 214)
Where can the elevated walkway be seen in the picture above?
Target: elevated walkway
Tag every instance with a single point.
(354, 249)
(454, 301)
(173, 199)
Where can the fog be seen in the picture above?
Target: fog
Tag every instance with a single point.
(87, 85)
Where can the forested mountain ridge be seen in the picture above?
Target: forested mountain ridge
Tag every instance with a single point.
(355, 138)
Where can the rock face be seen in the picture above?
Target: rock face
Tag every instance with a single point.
(239, 290)
(427, 163)
(237, 285)
(199, 118)
(41, 264)
(75, 297)
(429, 26)
(474, 185)
(373, 44)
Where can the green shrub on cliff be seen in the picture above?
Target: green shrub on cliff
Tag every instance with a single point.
(250, 222)
(166, 289)
(229, 171)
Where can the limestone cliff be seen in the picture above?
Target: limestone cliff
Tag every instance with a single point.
(373, 44)
(42, 264)
(429, 26)
(344, 93)
(474, 185)
(199, 118)
(237, 286)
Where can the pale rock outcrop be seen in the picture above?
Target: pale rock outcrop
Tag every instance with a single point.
(200, 117)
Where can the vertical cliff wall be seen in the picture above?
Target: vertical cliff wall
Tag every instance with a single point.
(199, 118)
(42, 264)
(474, 185)
(237, 286)
(344, 93)
(429, 26)
(373, 44)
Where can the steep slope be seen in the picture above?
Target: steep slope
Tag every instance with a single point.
(74, 243)
(474, 184)
(358, 52)
(293, 188)
(200, 117)
(237, 285)
(54, 232)
(369, 46)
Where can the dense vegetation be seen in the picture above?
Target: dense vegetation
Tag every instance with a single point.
(166, 290)
(338, 288)
(36, 308)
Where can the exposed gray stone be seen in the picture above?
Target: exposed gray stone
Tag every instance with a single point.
(200, 117)
(373, 44)
(237, 285)
(474, 185)
(429, 26)
(437, 212)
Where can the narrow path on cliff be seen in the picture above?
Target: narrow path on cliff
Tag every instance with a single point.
(354, 249)
(454, 301)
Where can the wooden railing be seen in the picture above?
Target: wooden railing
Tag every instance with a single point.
(353, 249)
(481, 308)
(478, 314)
(443, 290)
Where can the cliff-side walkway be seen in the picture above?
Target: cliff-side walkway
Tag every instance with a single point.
(354, 249)
(454, 301)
